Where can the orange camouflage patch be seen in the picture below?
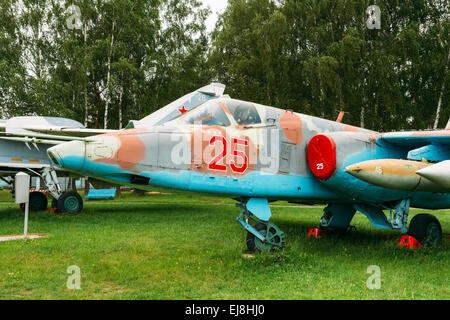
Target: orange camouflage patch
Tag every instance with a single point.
(131, 150)
(291, 125)
(349, 128)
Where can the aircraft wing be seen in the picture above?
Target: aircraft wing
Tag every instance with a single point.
(34, 125)
(39, 138)
(6, 168)
(432, 146)
(416, 139)
(45, 130)
(62, 131)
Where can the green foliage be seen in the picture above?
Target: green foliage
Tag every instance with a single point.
(319, 57)
(132, 56)
(124, 59)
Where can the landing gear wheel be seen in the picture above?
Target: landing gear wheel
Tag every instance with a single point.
(70, 202)
(274, 238)
(426, 229)
(38, 202)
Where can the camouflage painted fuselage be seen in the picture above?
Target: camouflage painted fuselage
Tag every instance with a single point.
(264, 157)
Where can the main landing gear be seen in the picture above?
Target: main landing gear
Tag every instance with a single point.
(426, 229)
(264, 236)
(423, 230)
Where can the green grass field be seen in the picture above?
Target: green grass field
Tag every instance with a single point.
(177, 245)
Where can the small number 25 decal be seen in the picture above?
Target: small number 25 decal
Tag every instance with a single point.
(213, 164)
(319, 166)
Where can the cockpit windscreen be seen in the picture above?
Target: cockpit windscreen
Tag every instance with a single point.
(210, 113)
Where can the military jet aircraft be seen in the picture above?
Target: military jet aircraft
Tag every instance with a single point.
(258, 154)
(24, 142)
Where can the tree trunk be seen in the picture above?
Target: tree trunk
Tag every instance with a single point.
(86, 107)
(362, 116)
(73, 97)
(97, 121)
(438, 111)
(108, 76)
(120, 107)
(363, 110)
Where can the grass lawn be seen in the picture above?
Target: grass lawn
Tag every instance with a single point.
(178, 245)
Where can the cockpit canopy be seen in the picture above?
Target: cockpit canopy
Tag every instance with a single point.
(220, 112)
(244, 113)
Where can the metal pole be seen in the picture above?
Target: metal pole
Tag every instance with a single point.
(25, 228)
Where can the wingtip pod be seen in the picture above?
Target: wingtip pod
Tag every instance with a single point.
(439, 173)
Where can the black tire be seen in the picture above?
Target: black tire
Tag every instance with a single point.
(251, 246)
(70, 202)
(426, 229)
(38, 201)
(55, 206)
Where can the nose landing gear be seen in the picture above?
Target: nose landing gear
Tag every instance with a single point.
(274, 238)
(69, 202)
(63, 202)
(264, 236)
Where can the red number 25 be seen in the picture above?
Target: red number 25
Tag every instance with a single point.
(213, 164)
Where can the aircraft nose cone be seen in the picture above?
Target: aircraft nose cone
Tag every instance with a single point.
(68, 155)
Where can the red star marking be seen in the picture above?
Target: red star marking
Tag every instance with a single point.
(182, 110)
